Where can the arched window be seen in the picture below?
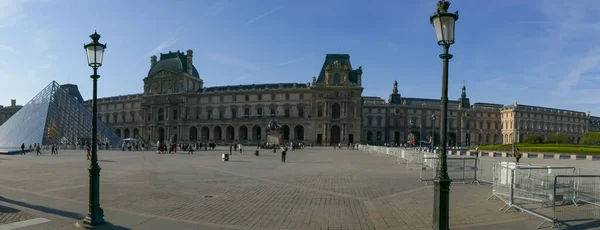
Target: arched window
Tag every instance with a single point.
(178, 85)
(163, 87)
(335, 110)
(161, 114)
(336, 79)
(320, 110)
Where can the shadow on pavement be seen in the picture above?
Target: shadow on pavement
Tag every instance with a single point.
(104, 226)
(67, 214)
(311, 162)
(238, 161)
(107, 161)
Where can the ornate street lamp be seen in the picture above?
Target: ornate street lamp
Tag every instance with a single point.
(443, 22)
(95, 216)
(432, 131)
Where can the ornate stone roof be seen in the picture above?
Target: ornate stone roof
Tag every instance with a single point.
(344, 59)
(176, 62)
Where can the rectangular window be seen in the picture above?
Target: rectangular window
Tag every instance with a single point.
(233, 113)
(378, 121)
(300, 112)
(209, 114)
(260, 97)
(301, 96)
(246, 112)
(259, 112)
(273, 97)
(198, 113)
(221, 114)
(286, 112)
(174, 114)
(234, 98)
(370, 121)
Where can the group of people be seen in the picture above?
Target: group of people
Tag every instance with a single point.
(348, 146)
(38, 149)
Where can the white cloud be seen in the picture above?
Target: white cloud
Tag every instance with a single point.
(234, 61)
(216, 8)
(7, 48)
(163, 45)
(263, 15)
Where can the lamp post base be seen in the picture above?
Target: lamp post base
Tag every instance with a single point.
(441, 204)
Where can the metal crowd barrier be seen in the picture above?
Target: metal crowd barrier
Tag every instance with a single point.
(460, 169)
(556, 194)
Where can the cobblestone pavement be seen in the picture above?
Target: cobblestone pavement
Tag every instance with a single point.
(318, 188)
(11, 215)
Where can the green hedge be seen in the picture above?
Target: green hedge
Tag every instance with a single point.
(553, 148)
(591, 138)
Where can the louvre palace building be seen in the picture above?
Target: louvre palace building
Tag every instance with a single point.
(175, 106)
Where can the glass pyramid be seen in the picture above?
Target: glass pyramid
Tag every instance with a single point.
(53, 116)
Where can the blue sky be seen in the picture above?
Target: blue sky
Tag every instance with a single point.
(536, 52)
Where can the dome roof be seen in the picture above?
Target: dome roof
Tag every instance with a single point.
(176, 62)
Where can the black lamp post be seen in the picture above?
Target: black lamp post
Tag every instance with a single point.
(443, 22)
(432, 132)
(95, 216)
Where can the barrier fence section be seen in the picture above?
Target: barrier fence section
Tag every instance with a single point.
(460, 169)
(556, 194)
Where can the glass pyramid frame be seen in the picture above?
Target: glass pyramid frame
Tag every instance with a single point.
(53, 116)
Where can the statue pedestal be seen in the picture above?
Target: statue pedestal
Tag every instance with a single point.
(274, 137)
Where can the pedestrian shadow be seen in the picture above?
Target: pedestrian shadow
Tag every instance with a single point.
(111, 161)
(67, 214)
(238, 161)
(54, 211)
(311, 162)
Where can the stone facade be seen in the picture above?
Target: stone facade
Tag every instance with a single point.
(7, 111)
(175, 106)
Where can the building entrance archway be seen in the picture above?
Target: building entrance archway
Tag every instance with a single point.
(336, 134)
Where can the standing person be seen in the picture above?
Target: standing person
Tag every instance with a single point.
(231, 149)
(88, 150)
(240, 146)
(23, 149)
(190, 150)
(477, 152)
(283, 153)
(517, 154)
(38, 152)
(30, 148)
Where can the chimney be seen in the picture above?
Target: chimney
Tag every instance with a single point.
(152, 61)
(190, 63)
(13, 102)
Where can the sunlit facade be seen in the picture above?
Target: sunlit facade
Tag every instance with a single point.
(175, 106)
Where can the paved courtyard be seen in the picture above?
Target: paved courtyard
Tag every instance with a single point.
(318, 188)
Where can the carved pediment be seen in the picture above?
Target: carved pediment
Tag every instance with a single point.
(336, 66)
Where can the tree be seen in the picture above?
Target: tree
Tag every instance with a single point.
(558, 138)
(534, 139)
(591, 138)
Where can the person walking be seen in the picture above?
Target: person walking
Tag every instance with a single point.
(517, 154)
(88, 150)
(477, 152)
(38, 152)
(283, 153)
(23, 149)
(230, 149)
(191, 150)
(30, 148)
(241, 147)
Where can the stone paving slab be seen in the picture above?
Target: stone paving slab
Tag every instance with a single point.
(316, 188)
(10, 215)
